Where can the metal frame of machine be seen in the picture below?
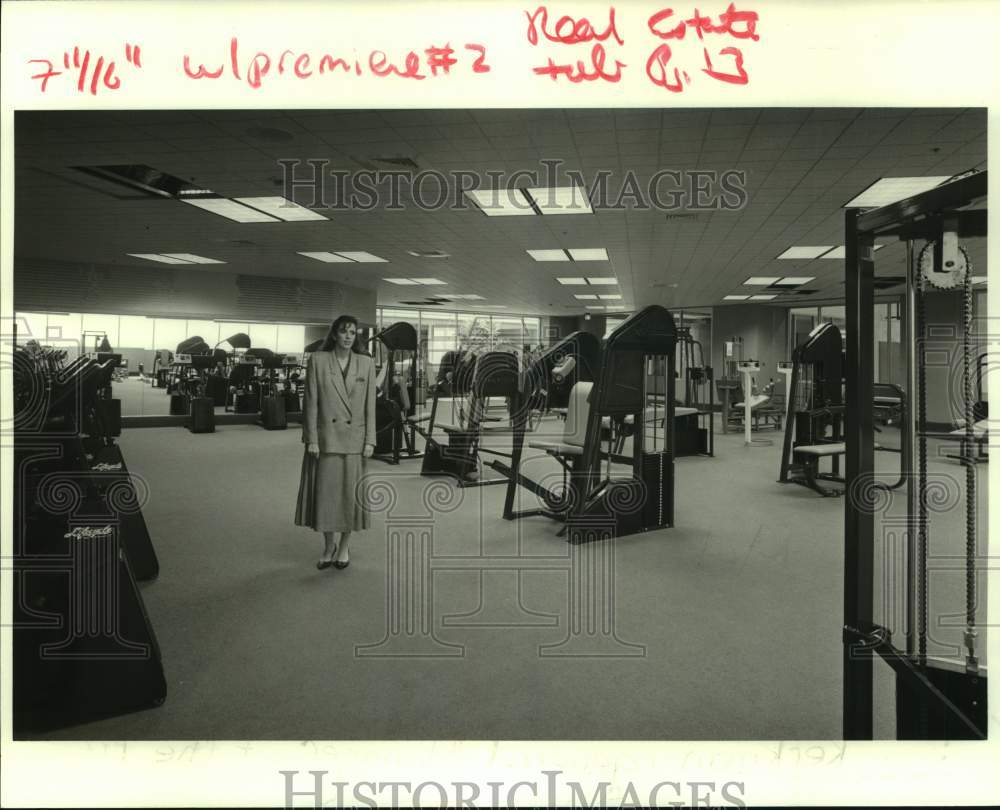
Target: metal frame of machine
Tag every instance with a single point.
(933, 702)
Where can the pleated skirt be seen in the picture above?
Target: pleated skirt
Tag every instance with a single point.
(331, 493)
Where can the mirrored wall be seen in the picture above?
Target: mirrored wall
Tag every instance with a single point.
(138, 339)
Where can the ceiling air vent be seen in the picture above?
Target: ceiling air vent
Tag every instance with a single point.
(421, 303)
(429, 254)
(387, 162)
(139, 176)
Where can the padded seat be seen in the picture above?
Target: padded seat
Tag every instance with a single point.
(574, 436)
(558, 448)
(756, 400)
(832, 449)
(979, 430)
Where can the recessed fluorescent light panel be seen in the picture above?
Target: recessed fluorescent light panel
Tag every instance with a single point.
(793, 281)
(430, 282)
(586, 297)
(323, 256)
(560, 200)
(888, 190)
(735, 297)
(841, 252)
(400, 281)
(156, 257)
(762, 297)
(549, 255)
(803, 252)
(502, 202)
(588, 254)
(231, 210)
(761, 281)
(192, 258)
(360, 256)
(615, 297)
(281, 208)
(601, 281)
(343, 256)
(571, 280)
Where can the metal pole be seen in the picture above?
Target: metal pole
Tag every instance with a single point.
(859, 524)
(908, 440)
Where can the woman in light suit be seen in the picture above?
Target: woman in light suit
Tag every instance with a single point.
(338, 430)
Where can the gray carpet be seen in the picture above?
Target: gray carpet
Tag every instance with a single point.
(726, 627)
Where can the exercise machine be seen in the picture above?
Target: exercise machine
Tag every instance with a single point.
(635, 369)
(814, 427)
(395, 402)
(475, 379)
(83, 646)
(551, 382)
(939, 697)
(694, 427)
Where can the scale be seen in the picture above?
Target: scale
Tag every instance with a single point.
(747, 368)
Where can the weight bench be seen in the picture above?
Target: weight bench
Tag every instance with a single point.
(807, 458)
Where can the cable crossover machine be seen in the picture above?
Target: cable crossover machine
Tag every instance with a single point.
(936, 697)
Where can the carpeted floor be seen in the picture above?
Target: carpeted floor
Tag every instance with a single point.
(725, 627)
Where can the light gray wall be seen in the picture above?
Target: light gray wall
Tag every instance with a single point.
(765, 335)
(46, 286)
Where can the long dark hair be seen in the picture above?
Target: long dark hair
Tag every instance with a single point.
(331, 336)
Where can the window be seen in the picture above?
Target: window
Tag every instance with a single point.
(228, 328)
(291, 338)
(263, 335)
(801, 321)
(64, 326)
(439, 333)
(96, 325)
(30, 326)
(135, 332)
(168, 332)
(206, 330)
(610, 324)
(507, 334)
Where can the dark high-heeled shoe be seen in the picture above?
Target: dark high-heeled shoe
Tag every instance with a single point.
(322, 565)
(341, 564)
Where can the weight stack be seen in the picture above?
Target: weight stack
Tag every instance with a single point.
(216, 388)
(202, 415)
(272, 413)
(180, 405)
(658, 484)
(245, 402)
(111, 415)
(292, 402)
